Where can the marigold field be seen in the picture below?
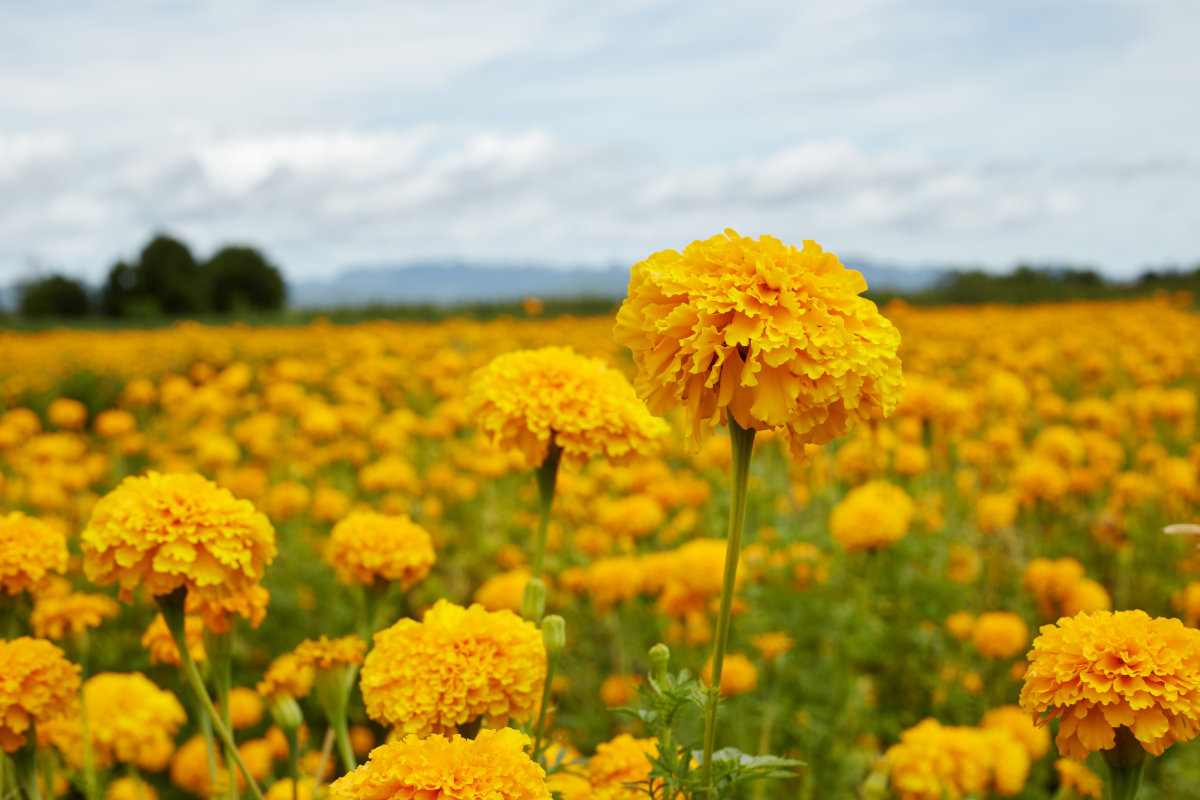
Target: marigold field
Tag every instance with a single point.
(891, 585)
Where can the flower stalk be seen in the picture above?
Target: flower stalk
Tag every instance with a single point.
(1125, 764)
(547, 477)
(742, 445)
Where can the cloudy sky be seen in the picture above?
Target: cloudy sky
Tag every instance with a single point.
(909, 132)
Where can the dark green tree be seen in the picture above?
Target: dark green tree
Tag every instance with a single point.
(167, 273)
(119, 292)
(241, 278)
(55, 296)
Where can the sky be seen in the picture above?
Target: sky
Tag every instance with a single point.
(906, 132)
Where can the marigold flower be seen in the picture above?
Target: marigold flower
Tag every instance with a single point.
(66, 412)
(620, 769)
(493, 766)
(287, 675)
(772, 645)
(775, 336)
(457, 665)
(164, 532)
(245, 708)
(37, 683)
(54, 617)
(529, 399)
(1014, 720)
(619, 690)
(1106, 670)
(130, 789)
(163, 650)
(250, 604)
(1000, 634)
(738, 675)
(189, 768)
(870, 516)
(131, 720)
(933, 762)
(282, 790)
(366, 545)
(326, 653)
(1076, 777)
(30, 551)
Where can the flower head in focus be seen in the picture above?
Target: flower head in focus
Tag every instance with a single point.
(776, 336)
(1105, 670)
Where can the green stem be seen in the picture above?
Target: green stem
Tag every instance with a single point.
(742, 444)
(138, 786)
(1125, 763)
(293, 740)
(25, 761)
(210, 749)
(172, 610)
(547, 476)
(551, 668)
(90, 785)
(219, 672)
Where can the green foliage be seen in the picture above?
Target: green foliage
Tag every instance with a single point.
(167, 272)
(56, 296)
(241, 278)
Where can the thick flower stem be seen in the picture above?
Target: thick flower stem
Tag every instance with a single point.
(172, 610)
(547, 476)
(742, 443)
(1125, 763)
(25, 761)
(90, 785)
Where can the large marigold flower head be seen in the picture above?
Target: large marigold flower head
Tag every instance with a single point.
(457, 665)
(776, 336)
(527, 400)
(493, 766)
(366, 546)
(54, 616)
(1105, 670)
(871, 516)
(131, 720)
(37, 683)
(165, 532)
(30, 552)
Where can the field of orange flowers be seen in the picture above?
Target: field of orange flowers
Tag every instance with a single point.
(318, 510)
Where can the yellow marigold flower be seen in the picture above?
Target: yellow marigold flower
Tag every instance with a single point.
(114, 423)
(960, 624)
(130, 789)
(1076, 777)
(66, 412)
(933, 762)
(873, 515)
(131, 720)
(245, 708)
(362, 740)
(493, 766)
(326, 653)
(158, 640)
(772, 645)
(457, 665)
(366, 545)
(54, 617)
(503, 591)
(529, 399)
(259, 755)
(287, 675)
(282, 790)
(189, 768)
(30, 550)
(1014, 720)
(619, 690)
(609, 581)
(163, 532)
(1000, 634)
(620, 769)
(775, 336)
(1105, 670)
(738, 675)
(996, 511)
(1085, 595)
(37, 683)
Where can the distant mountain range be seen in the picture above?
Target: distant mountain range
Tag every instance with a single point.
(454, 282)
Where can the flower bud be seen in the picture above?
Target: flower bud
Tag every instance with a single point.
(554, 634)
(533, 602)
(286, 712)
(660, 654)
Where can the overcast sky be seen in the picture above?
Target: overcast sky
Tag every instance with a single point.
(909, 132)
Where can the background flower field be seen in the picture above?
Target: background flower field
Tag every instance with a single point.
(900, 575)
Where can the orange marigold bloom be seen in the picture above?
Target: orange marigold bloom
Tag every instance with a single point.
(772, 645)
(1000, 634)
(158, 640)
(1106, 670)
(620, 769)
(1014, 720)
(250, 604)
(738, 674)
(873, 515)
(130, 789)
(934, 762)
(55, 616)
(366, 545)
(164, 532)
(245, 708)
(457, 665)
(505, 590)
(37, 683)
(30, 550)
(287, 675)
(528, 399)
(326, 653)
(1075, 776)
(775, 336)
(131, 720)
(492, 766)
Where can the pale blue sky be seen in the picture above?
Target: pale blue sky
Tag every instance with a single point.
(909, 132)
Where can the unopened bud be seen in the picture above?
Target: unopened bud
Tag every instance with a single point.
(660, 654)
(533, 602)
(286, 712)
(554, 634)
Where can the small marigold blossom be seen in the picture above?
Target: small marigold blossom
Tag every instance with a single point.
(287, 675)
(933, 762)
(326, 653)
(1076, 777)
(131, 720)
(30, 552)
(871, 516)
(37, 684)
(527, 400)
(457, 665)
(1102, 671)
(164, 532)
(493, 766)
(54, 617)
(620, 768)
(775, 336)
(366, 546)
(250, 604)
(163, 650)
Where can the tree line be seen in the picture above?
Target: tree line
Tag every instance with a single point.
(165, 279)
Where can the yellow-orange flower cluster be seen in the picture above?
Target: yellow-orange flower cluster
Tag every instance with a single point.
(56, 615)
(37, 684)
(493, 766)
(1105, 670)
(1000, 634)
(131, 720)
(870, 516)
(529, 399)
(163, 650)
(287, 675)
(620, 769)
(775, 336)
(366, 545)
(163, 532)
(326, 653)
(937, 762)
(457, 665)
(216, 610)
(30, 552)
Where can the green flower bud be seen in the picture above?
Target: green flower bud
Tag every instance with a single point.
(554, 634)
(533, 603)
